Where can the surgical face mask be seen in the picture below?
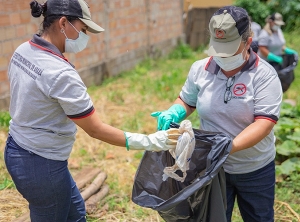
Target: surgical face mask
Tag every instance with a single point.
(275, 27)
(230, 63)
(76, 45)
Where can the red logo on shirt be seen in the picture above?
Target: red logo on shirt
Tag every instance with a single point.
(239, 89)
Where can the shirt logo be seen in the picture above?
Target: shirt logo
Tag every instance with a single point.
(219, 33)
(239, 89)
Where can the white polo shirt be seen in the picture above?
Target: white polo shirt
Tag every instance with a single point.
(46, 93)
(256, 94)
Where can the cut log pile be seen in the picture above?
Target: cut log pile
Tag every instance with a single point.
(91, 183)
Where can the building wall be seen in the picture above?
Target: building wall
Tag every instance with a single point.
(197, 14)
(205, 3)
(134, 30)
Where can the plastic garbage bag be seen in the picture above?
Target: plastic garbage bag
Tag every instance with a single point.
(285, 71)
(182, 153)
(202, 195)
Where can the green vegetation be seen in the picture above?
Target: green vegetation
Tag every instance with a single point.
(6, 183)
(290, 11)
(4, 120)
(256, 9)
(260, 9)
(288, 140)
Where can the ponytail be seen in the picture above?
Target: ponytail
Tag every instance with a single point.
(38, 9)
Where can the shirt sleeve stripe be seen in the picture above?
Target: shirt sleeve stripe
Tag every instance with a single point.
(84, 114)
(194, 107)
(272, 118)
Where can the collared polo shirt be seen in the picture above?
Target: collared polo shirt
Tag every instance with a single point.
(255, 94)
(46, 93)
(273, 42)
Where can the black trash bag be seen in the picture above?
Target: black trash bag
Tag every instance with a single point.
(285, 70)
(201, 197)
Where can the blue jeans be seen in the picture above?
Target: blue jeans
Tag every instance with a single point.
(46, 184)
(255, 193)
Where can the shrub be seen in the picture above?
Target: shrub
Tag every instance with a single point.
(290, 11)
(256, 9)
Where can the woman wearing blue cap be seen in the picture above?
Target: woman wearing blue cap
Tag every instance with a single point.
(237, 93)
(48, 100)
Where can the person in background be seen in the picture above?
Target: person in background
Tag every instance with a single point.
(256, 28)
(271, 41)
(237, 93)
(48, 100)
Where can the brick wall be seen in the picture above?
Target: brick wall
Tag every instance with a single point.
(134, 30)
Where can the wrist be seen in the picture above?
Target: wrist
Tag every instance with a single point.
(179, 111)
(289, 51)
(126, 142)
(274, 58)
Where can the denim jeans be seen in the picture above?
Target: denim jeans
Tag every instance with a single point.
(255, 193)
(46, 184)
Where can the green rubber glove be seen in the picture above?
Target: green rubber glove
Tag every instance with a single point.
(274, 58)
(290, 51)
(175, 113)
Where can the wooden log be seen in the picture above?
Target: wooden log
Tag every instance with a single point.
(105, 207)
(101, 213)
(91, 204)
(94, 186)
(85, 176)
(98, 196)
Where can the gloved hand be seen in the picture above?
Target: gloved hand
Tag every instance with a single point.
(159, 141)
(175, 113)
(274, 58)
(290, 51)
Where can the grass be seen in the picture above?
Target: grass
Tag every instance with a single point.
(4, 120)
(292, 41)
(126, 102)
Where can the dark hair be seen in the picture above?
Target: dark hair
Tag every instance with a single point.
(272, 17)
(38, 9)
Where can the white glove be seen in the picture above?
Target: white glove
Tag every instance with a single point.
(159, 141)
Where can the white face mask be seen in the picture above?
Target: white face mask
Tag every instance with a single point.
(76, 45)
(275, 27)
(230, 63)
